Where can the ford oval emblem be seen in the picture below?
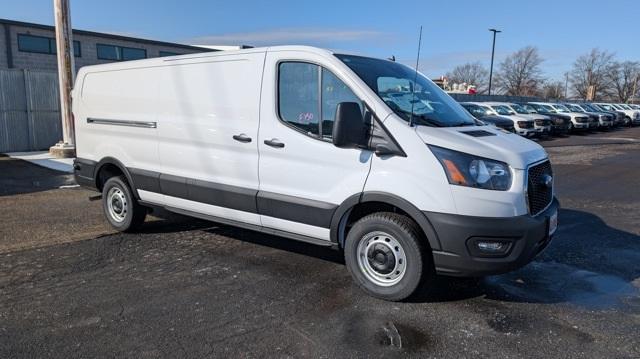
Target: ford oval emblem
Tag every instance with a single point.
(547, 181)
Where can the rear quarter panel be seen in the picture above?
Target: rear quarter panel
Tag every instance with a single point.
(122, 95)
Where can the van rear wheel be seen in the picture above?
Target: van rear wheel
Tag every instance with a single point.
(120, 207)
(385, 255)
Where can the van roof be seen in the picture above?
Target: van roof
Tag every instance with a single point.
(201, 55)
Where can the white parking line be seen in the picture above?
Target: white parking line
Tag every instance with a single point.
(69, 186)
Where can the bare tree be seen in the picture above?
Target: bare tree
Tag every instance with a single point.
(623, 78)
(590, 71)
(553, 90)
(520, 73)
(472, 73)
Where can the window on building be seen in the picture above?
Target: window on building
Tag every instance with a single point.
(308, 96)
(167, 53)
(77, 51)
(30, 43)
(107, 52)
(42, 45)
(119, 53)
(129, 53)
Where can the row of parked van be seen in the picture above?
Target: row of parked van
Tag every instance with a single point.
(533, 119)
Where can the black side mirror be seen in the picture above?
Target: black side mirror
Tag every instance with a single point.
(349, 127)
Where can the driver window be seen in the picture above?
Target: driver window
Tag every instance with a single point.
(308, 93)
(334, 91)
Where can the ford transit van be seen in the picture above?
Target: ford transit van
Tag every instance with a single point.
(356, 153)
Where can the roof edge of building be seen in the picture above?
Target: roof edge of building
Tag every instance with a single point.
(106, 35)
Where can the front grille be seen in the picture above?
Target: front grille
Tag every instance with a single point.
(539, 122)
(582, 119)
(525, 124)
(539, 195)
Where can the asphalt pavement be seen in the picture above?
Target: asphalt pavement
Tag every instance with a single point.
(72, 288)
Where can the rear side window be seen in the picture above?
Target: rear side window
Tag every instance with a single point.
(308, 96)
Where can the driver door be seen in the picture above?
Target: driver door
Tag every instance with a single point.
(303, 176)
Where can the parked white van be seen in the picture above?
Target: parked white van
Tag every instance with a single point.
(331, 149)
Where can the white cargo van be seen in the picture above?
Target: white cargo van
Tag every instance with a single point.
(331, 149)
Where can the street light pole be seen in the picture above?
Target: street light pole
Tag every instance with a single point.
(493, 51)
(566, 85)
(635, 89)
(66, 74)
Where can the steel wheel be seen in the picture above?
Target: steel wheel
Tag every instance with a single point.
(381, 259)
(117, 204)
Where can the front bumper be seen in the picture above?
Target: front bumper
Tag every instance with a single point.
(543, 129)
(526, 132)
(606, 123)
(528, 236)
(560, 128)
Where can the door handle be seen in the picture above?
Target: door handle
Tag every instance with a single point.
(274, 143)
(242, 138)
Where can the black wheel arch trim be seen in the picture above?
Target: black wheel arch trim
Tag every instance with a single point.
(343, 210)
(122, 167)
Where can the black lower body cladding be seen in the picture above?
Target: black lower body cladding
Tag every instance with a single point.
(526, 235)
(84, 172)
(311, 212)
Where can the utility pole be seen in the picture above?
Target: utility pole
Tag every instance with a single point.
(66, 75)
(566, 85)
(493, 51)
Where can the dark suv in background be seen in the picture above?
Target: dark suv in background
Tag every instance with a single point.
(481, 115)
(561, 123)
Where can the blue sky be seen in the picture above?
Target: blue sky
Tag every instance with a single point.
(454, 31)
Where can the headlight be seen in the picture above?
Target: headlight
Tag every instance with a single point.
(463, 169)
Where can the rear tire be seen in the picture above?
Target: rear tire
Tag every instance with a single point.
(121, 209)
(386, 256)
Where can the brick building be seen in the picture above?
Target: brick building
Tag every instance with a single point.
(32, 46)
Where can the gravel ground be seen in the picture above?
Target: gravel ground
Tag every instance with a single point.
(70, 287)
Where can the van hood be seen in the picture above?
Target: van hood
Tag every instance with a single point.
(575, 114)
(518, 117)
(485, 141)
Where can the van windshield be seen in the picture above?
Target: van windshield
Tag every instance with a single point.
(394, 84)
(503, 110)
(575, 108)
(560, 108)
(519, 109)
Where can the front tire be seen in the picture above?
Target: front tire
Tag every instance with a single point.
(385, 255)
(121, 209)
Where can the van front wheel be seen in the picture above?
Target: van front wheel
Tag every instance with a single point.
(385, 255)
(122, 210)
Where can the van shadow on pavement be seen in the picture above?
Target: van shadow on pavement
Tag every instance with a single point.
(588, 264)
(19, 177)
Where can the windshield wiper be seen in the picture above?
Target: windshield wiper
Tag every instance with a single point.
(426, 121)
